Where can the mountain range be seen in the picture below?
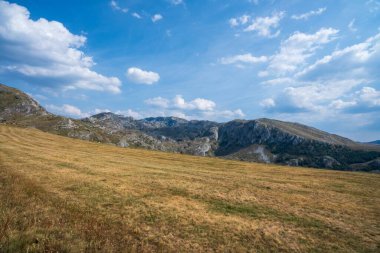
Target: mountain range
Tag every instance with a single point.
(260, 140)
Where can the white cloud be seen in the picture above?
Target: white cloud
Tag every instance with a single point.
(203, 104)
(340, 104)
(370, 96)
(72, 110)
(243, 58)
(156, 17)
(178, 102)
(267, 103)
(177, 2)
(46, 53)
(279, 81)
(233, 22)
(359, 61)
(136, 15)
(67, 110)
(264, 25)
(335, 86)
(242, 20)
(315, 96)
(351, 26)
(116, 6)
(196, 104)
(297, 48)
(263, 73)
(158, 101)
(130, 113)
(97, 110)
(198, 108)
(140, 76)
(309, 14)
(365, 100)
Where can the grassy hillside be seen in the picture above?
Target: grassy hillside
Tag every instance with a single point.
(62, 194)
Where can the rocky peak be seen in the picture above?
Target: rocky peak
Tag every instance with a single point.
(159, 122)
(112, 122)
(14, 103)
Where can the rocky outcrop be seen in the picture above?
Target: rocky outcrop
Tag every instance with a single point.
(15, 104)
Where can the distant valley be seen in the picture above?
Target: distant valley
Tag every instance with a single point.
(261, 140)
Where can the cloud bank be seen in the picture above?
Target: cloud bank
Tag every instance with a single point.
(46, 53)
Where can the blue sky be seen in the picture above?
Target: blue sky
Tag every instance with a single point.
(313, 62)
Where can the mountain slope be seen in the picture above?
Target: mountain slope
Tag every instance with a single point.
(64, 195)
(15, 104)
(261, 140)
(290, 143)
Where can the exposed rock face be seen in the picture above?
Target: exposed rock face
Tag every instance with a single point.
(330, 162)
(14, 103)
(262, 140)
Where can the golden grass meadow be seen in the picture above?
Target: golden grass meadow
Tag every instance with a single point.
(64, 195)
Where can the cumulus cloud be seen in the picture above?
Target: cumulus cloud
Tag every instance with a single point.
(360, 61)
(179, 102)
(370, 96)
(243, 58)
(45, 53)
(264, 26)
(116, 6)
(340, 81)
(196, 104)
(342, 86)
(156, 17)
(309, 14)
(267, 103)
(313, 96)
(340, 104)
(295, 50)
(67, 110)
(198, 108)
(365, 100)
(140, 76)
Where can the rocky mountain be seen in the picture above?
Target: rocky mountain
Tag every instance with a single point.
(375, 142)
(261, 140)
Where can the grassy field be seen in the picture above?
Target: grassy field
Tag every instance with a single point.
(66, 195)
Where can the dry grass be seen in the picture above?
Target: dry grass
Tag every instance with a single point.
(66, 195)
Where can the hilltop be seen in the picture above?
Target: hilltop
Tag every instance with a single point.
(60, 194)
(261, 140)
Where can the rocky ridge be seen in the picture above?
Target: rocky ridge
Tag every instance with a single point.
(261, 140)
